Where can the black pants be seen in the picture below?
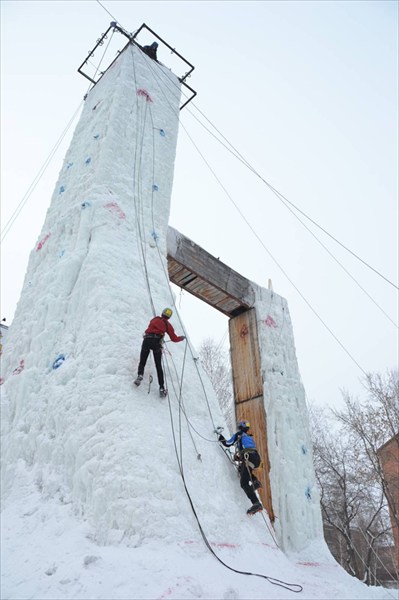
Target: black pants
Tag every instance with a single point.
(154, 344)
(246, 475)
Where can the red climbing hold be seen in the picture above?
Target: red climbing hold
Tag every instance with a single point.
(142, 92)
(270, 322)
(42, 242)
(114, 208)
(19, 369)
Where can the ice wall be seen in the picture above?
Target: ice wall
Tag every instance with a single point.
(295, 495)
(74, 425)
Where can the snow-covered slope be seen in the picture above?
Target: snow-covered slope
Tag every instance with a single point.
(106, 486)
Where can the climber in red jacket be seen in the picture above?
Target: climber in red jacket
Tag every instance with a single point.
(153, 340)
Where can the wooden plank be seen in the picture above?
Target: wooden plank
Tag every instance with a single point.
(207, 268)
(207, 278)
(245, 356)
(254, 412)
(248, 392)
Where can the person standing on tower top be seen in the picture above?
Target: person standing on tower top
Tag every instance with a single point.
(151, 51)
(153, 340)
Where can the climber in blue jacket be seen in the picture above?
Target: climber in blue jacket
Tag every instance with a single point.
(248, 458)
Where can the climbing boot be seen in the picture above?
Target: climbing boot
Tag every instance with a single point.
(139, 379)
(163, 392)
(254, 508)
(257, 484)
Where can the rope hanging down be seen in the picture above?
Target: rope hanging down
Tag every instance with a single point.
(291, 587)
(307, 302)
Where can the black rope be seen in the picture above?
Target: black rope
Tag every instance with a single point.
(270, 254)
(274, 581)
(279, 195)
(198, 373)
(292, 587)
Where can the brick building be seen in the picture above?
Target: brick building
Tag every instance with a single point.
(389, 457)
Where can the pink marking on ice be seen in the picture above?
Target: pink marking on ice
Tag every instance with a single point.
(114, 208)
(216, 544)
(1, 380)
(142, 92)
(21, 367)
(224, 545)
(172, 589)
(309, 564)
(272, 546)
(270, 322)
(42, 242)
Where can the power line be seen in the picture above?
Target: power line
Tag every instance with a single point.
(274, 259)
(279, 195)
(106, 10)
(28, 193)
(282, 198)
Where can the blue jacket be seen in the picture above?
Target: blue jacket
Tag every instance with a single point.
(243, 441)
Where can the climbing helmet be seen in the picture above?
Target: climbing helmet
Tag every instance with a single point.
(243, 425)
(167, 312)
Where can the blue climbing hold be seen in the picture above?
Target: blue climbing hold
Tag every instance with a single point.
(155, 187)
(308, 493)
(69, 165)
(304, 449)
(61, 190)
(155, 236)
(58, 361)
(96, 136)
(61, 254)
(88, 161)
(85, 204)
(162, 132)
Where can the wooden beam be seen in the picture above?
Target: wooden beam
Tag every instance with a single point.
(248, 392)
(206, 277)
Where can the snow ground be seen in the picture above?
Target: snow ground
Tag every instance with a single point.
(48, 554)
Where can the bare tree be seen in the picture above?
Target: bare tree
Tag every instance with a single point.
(216, 364)
(354, 508)
(374, 422)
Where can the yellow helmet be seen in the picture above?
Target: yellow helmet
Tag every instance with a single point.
(167, 312)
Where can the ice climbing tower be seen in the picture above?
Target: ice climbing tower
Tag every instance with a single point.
(97, 273)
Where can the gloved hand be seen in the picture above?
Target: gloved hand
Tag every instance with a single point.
(222, 439)
(182, 338)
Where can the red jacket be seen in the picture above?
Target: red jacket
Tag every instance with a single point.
(160, 326)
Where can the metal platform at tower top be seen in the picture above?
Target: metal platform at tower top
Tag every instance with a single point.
(132, 39)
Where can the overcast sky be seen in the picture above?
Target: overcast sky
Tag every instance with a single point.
(308, 94)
